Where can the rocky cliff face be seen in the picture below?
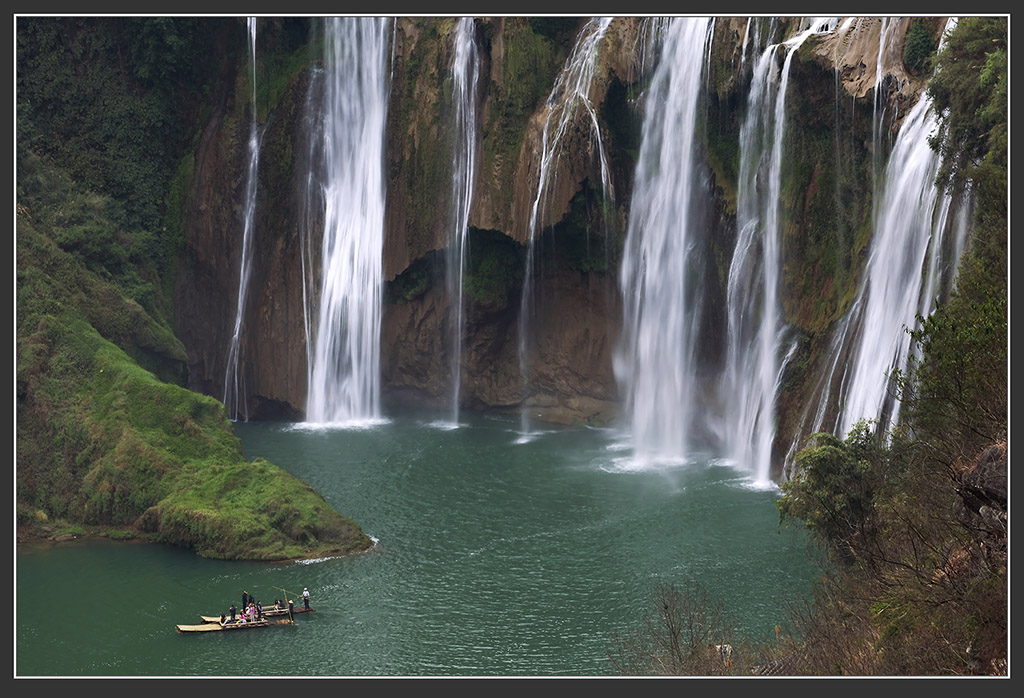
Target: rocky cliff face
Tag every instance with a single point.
(573, 322)
(209, 270)
(574, 311)
(273, 346)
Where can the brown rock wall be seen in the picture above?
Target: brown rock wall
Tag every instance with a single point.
(208, 275)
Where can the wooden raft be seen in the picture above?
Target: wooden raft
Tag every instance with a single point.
(271, 612)
(216, 625)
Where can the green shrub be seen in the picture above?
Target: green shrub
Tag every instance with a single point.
(918, 47)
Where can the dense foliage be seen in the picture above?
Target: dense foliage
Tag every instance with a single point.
(969, 91)
(919, 46)
(114, 100)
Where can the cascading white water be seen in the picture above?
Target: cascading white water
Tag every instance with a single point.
(900, 273)
(753, 323)
(902, 276)
(465, 72)
(310, 225)
(847, 326)
(570, 95)
(754, 362)
(344, 376)
(234, 389)
(746, 42)
(655, 363)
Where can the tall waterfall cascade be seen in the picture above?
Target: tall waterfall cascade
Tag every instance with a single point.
(465, 74)
(569, 98)
(919, 236)
(756, 356)
(655, 364)
(902, 274)
(344, 373)
(234, 387)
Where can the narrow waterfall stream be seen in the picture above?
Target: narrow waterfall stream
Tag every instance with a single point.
(465, 74)
(234, 385)
(569, 97)
(755, 357)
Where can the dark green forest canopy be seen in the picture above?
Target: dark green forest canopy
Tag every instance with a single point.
(115, 100)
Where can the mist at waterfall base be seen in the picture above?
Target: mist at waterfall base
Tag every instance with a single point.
(491, 558)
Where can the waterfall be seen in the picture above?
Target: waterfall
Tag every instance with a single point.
(839, 344)
(465, 72)
(570, 95)
(655, 363)
(234, 389)
(344, 375)
(879, 121)
(755, 329)
(746, 42)
(910, 263)
(753, 322)
(901, 275)
(313, 206)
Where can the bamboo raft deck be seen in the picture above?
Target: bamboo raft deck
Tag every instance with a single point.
(216, 625)
(272, 612)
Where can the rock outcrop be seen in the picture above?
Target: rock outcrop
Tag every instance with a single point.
(982, 504)
(272, 348)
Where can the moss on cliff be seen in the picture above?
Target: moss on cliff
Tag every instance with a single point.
(719, 134)
(174, 223)
(625, 126)
(495, 269)
(424, 273)
(527, 67)
(285, 47)
(826, 196)
(587, 238)
(420, 145)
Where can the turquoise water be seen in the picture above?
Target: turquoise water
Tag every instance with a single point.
(495, 555)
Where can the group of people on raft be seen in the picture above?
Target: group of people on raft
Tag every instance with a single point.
(252, 610)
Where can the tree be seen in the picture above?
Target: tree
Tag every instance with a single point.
(918, 47)
(969, 92)
(833, 490)
(686, 634)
